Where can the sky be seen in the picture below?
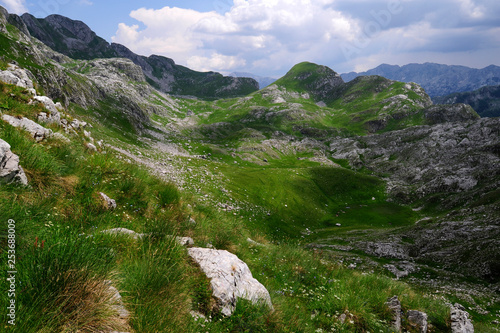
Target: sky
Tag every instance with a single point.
(268, 37)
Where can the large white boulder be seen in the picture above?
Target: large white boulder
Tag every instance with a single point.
(37, 131)
(230, 279)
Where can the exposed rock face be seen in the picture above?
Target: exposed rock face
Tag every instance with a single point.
(123, 232)
(38, 132)
(454, 162)
(418, 320)
(230, 279)
(73, 38)
(422, 160)
(439, 114)
(53, 116)
(3, 19)
(10, 170)
(394, 306)
(168, 77)
(460, 322)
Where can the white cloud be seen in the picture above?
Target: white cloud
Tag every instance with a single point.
(269, 36)
(15, 6)
(251, 29)
(216, 60)
(86, 3)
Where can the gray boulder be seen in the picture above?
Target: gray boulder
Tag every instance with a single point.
(17, 76)
(418, 320)
(230, 279)
(460, 322)
(10, 170)
(123, 232)
(38, 132)
(52, 116)
(111, 203)
(394, 306)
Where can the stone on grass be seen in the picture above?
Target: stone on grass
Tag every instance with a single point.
(418, 320)
(91, 146)
(394, 306)
(38, 132)
(123, 232)
(460, 322)
(230, 279)
(10, 170)
(111, 203)
(53, 115)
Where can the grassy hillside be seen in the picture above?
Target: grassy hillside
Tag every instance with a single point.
(63, 259)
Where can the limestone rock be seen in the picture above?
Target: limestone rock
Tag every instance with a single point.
(460, 322)
(111, 203)
(394, 306)
(124, 232)
(185, 241)
(91, 146)
(17, 76)
(10, 170)
(230, 279)
(53, 116)
(38, 132)
(418, 320)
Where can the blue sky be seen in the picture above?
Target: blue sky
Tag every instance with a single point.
(267, 37)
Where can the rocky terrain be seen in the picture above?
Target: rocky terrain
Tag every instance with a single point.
(437, 79)
(486, 100)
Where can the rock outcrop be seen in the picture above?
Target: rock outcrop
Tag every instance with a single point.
(38, 132)
(10, 170)
(417, 320)
(230, 279)
(460, 322)
(394, 306)
(17, 76)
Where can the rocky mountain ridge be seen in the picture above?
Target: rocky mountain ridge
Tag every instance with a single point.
(436, 79)
(76, 40)
(486, 100)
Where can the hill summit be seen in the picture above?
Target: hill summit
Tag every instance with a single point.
(317, 80)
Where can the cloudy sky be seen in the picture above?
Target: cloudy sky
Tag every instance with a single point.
(267, 37)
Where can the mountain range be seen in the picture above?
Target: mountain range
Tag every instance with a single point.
(485, 100)
(76, 40)
(437, 79)
(327, 192)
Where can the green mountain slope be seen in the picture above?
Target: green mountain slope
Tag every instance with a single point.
(327, 190)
